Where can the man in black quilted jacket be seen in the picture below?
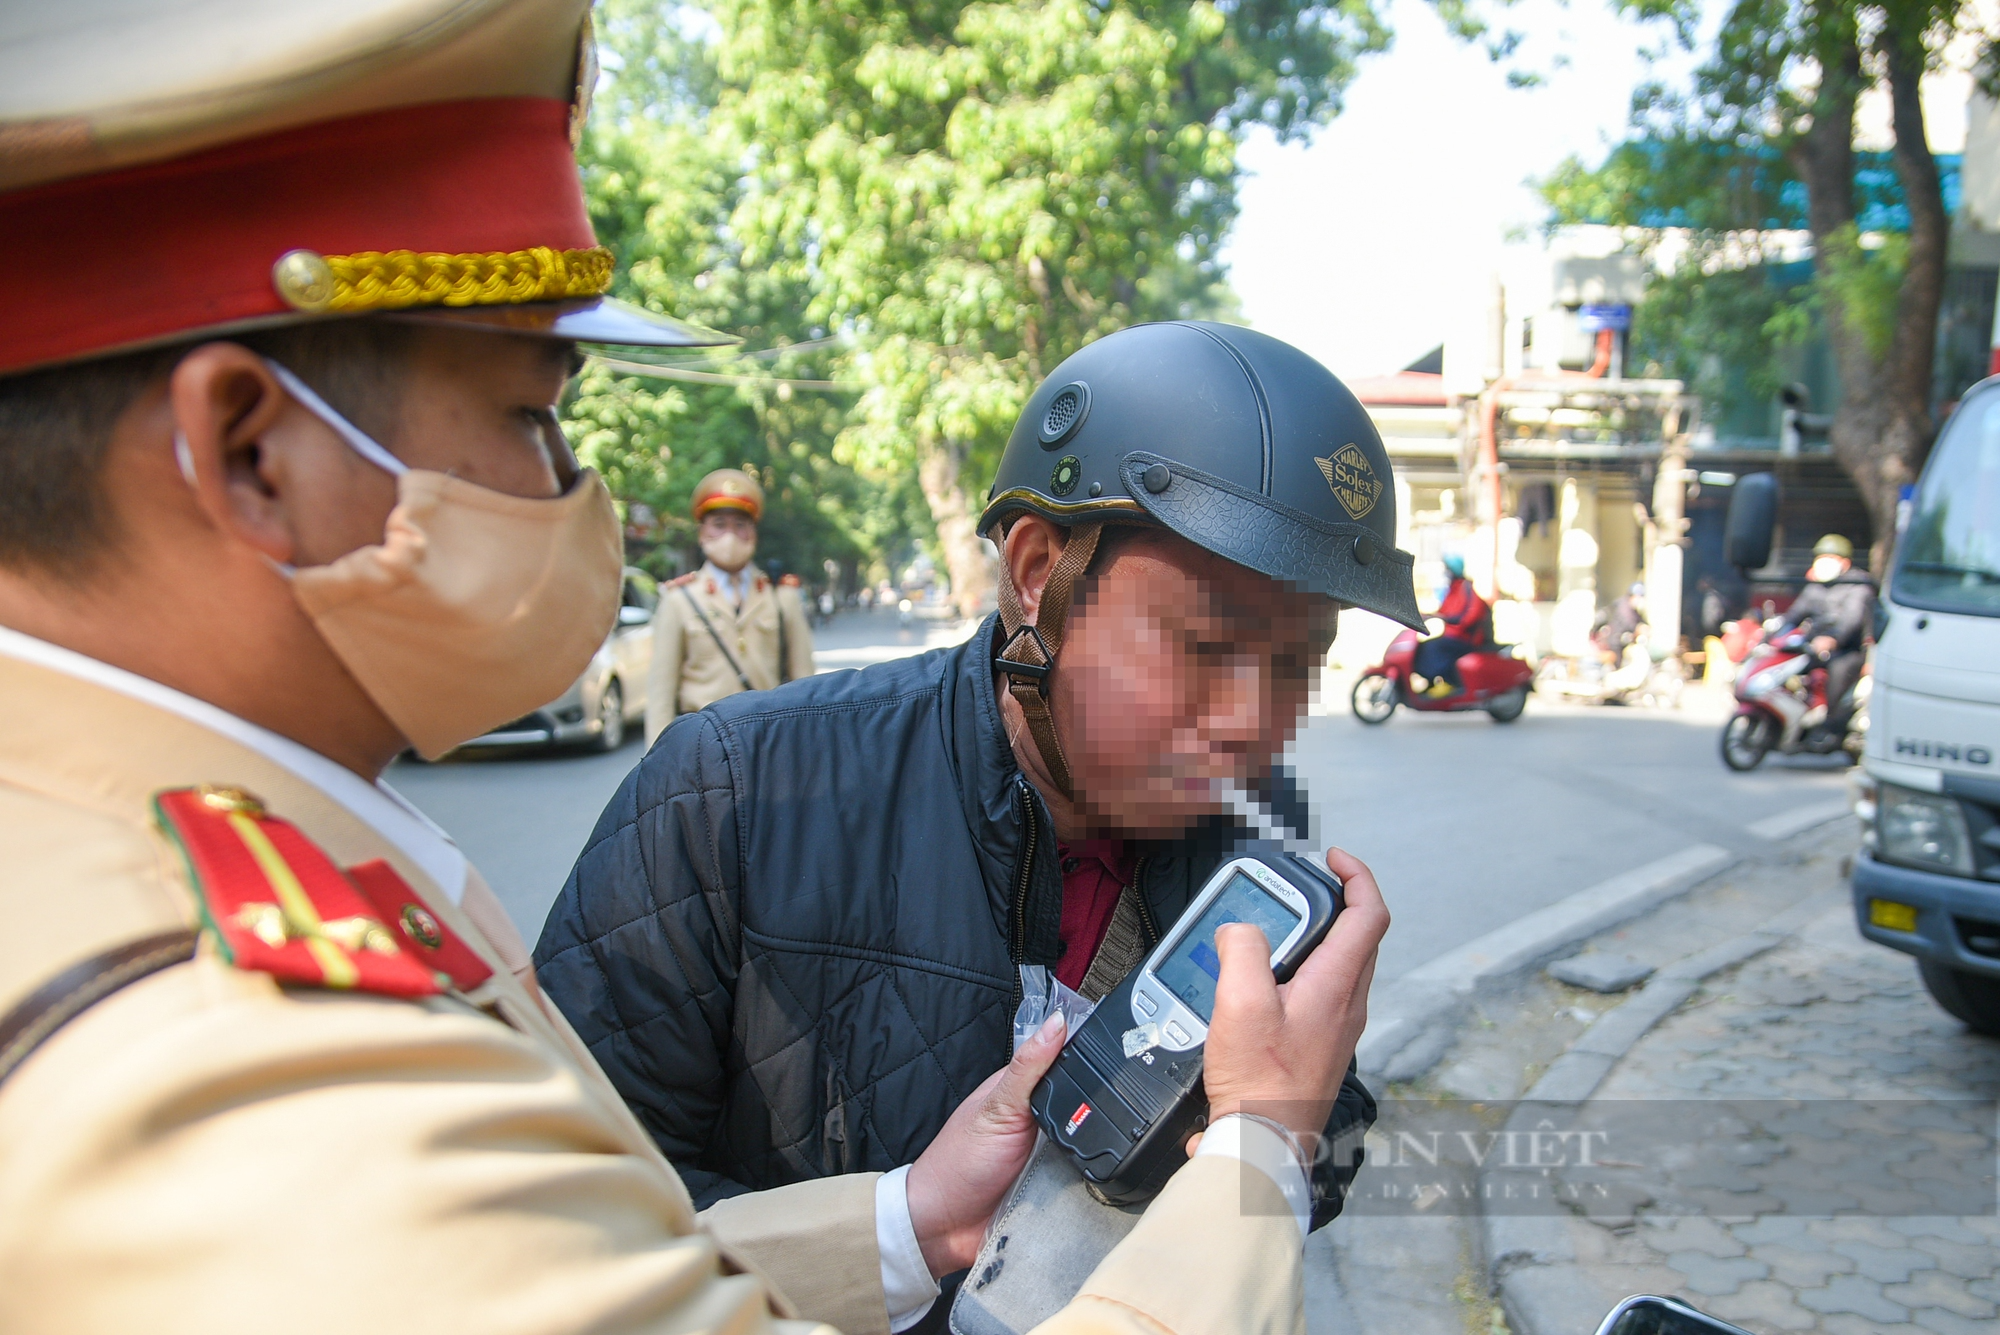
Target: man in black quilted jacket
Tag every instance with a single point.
(800, 933)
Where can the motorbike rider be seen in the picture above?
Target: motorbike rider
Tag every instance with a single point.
(1837, 609)
(1468, 626)
(1624, 621)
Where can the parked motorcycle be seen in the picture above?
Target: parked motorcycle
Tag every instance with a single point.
(1781, 706)
(1635, 679)
(1495, 681)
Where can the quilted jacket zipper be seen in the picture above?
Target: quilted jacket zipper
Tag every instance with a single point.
(1146, 922)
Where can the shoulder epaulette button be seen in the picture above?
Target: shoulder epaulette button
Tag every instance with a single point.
(274, 903)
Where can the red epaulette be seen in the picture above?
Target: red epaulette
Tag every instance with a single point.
(275, 903)
(788, 581)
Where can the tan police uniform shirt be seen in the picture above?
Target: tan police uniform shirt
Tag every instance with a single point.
(207, 1152)
(689, 671)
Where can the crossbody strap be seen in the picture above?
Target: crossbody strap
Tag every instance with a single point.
(82, 985)
(710, 627)
(784, 657)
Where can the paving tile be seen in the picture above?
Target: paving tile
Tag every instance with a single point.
(1762, 1303)
(1716, 1275)
(1950, 1323)
(1845, 1324)
(1770, 1228)
(1689, 1233)
(1856, 1295)
(1802, 1268)
(1934, 1288)
(1885, 1265)
(1966, 1260)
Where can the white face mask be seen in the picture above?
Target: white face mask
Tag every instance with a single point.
(729, 550)
(476, 607)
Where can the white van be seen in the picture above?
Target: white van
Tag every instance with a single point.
(1927, 881)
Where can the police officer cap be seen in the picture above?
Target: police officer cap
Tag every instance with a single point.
(1232, 439)
(729, 489)
(174, 167)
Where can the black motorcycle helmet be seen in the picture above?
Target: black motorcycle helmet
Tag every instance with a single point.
(1234, 440)
(1237, 442)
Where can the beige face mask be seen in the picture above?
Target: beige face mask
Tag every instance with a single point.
(476, 607)
(729, 551)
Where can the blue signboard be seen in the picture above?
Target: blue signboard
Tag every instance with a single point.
(1593, 318)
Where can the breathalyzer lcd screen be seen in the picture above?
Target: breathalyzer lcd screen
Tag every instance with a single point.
(1192, 967)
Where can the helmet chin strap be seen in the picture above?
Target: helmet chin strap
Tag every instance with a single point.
(1028, 654)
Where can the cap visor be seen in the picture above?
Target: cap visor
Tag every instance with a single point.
(1348, 562)
(587, 320)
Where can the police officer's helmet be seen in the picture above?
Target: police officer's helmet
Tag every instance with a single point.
(1832, 544)
(1237, 442)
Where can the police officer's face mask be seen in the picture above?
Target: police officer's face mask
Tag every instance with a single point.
(476, 606)
(729, 546)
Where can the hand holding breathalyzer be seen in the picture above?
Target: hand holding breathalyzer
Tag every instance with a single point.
(1283, 1049)
(1280, 1049)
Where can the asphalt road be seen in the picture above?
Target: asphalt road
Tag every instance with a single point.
(1468, 824)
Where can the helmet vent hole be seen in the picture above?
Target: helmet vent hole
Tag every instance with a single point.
(1065, 413)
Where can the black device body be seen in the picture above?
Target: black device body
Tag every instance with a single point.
(1125, 1120)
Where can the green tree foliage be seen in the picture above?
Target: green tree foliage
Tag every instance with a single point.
(1723, 318)
(933, 202)
(661, 186)
(1772, 105)
(966, 193)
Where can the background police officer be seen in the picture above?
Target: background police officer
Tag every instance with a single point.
(726, 627)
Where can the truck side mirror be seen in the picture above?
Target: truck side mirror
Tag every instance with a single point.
(1753, 518)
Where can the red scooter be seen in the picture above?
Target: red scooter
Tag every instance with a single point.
(1495, 681)
(1781, 706)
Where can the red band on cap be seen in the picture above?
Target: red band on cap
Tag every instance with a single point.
(124, 257)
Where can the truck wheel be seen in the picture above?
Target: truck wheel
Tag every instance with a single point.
(1971, 997)
(1374, 699)
(1746, 740)
(1506, 708)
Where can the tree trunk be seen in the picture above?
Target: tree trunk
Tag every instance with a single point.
(965, 559)
(1824, 156)
(1921, 294)
(1882, 428)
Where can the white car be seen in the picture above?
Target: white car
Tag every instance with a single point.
(603, 703)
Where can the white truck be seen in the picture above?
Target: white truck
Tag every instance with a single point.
(1927, 881)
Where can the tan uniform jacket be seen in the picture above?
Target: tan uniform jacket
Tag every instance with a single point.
(688, 670)
(207, 1152)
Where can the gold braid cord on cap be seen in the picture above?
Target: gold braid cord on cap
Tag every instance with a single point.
(374, 280)
(1035, 651)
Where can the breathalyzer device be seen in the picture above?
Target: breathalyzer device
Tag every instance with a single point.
(1126, 1093)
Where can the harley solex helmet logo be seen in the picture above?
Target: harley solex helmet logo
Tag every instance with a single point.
(1352, 479)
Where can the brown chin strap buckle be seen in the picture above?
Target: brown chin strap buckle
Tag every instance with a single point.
(1028, 654)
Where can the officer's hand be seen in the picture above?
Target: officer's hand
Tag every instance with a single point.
(956, 1184)
(1281, 1052)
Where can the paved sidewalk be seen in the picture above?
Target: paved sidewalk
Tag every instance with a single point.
(1764, 992)
(1822, 1016)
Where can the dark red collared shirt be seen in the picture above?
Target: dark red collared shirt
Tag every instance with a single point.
(1095, 872)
